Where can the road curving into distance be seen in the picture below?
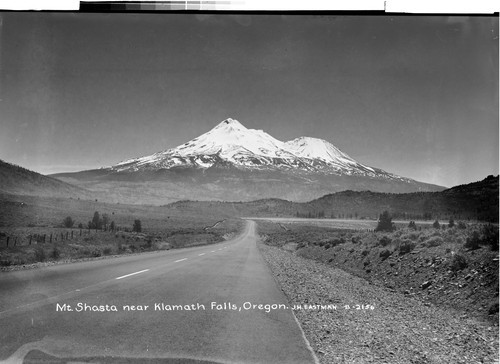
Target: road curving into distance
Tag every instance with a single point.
(208, 304)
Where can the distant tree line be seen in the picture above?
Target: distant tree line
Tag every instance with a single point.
(100, 222)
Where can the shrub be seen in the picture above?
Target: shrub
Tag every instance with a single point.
(301, 245)
(433, 241)
(96, 253)
(132, 248)
(365, 252)
(458, 263)
(412, 225)
(68, 222)
(107, 251)
(411, 236)
(473, 241)
(39, 254)
(355, 239)
(137, 226)
(436, 225)
(384, 241)
(406, 246)
(490, 236)
(462, 225)
(55, 254)
(493, 309)
(384, 254)
(5, 262)
(451, 222)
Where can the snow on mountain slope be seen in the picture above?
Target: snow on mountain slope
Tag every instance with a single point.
(231, 142)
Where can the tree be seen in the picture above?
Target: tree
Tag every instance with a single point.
(96, 221)
(137, 226)
(385, 222)
(436, 225)
(451, 223)
(105, 221)
(68, 222)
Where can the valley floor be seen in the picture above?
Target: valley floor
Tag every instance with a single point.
(386, 327)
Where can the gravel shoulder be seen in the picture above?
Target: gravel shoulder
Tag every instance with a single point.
(399, 328)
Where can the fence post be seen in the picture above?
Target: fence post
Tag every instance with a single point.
(8, 237)
(44, 238)
(15, 241)
(71, 234)
(51, 238)
(30, 238)
(67, 232)
(62, 237)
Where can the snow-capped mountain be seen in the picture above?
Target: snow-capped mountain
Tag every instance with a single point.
(233, 163)
(232, 143)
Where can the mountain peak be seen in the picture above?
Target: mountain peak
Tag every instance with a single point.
(315, 148)
(230, 124)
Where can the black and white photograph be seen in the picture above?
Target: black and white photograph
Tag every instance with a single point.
(210, 187)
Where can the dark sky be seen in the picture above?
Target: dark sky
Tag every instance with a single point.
(416, 96)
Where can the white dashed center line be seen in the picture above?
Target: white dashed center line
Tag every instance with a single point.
(132, 274)
(201, 254)
(213, 251)
(180, 260)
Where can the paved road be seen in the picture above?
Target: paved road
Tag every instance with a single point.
(41, 320)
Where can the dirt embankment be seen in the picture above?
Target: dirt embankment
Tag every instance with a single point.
(399, 328)
(434, 299)
(435, 266)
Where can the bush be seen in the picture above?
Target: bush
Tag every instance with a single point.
(411, 236)
(384, 254)
(301, 245)
(493, 309)
(412, 225)
(96, 253)
(436, 225)
(148, 244)
(137, 226)
(462, 225)
(433, 241)
(55, 254)
(384, 241)
(40, 254)
(490, 236)
(406, 246)
(458, 263)
(365, 252)
(473, 241)
(68, 222)
(107, 251)
(451, 222)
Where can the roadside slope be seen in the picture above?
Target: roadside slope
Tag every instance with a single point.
(398, 330)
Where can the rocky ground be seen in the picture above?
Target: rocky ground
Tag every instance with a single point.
(382, 325)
